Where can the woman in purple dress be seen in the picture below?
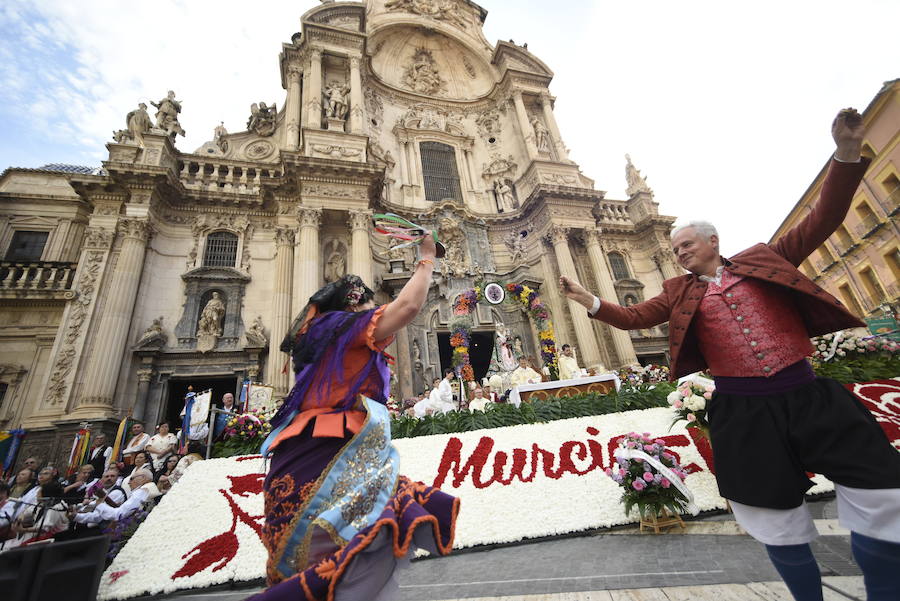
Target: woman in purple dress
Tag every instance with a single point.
(339, 515)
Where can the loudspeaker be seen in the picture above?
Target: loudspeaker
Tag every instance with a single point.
(17, 568)
(67, 571)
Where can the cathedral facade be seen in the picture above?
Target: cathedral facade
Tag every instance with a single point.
(125, 284)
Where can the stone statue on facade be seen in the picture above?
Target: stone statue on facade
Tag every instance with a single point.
(219, 134)
(137, 123)
(209, 327)
(335, 267)
(256, 334)
(335, 101)
(636, 181)
(422, 75)
(262, 119)
(454, 262)
(505, 200)
(167, 115)
(153, 336)
(541, 135)
(503, 349)
(515, 244)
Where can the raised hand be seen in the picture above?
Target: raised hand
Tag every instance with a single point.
(575, 291)
(847, 130)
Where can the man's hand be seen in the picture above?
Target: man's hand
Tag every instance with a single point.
(847, 130)
(573, 290)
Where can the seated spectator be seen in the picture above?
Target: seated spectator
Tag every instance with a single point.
(141, 461)
(43, 520)
(136, 443)
(161, 445)
(479, 401)
(168, 467)
(102, 514)
(197, 437)
(45, 476)
(33, 464)
(107, 490)
(75, 490)
(6, 517)
(23, 482)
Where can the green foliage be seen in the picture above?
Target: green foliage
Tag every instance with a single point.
(500, 415)
(237, 445)
(859, 368)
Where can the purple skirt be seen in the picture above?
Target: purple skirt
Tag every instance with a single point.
(415, 516)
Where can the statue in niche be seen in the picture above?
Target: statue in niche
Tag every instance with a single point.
(335, 267)
(541, 135)
(209, 327)
(503, 349)
(335, 100)
(421, 75)
(262, 119)
(167, 115)
(417, 356)
(515, 244)
(153, 336)
(518, 350)
(219, 134)
(137, 123)
(256, 334)
(455, 263)
(636, 182)
(504, 195)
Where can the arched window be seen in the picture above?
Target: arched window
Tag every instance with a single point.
(619, 266)
(439, 171)
(221, 250)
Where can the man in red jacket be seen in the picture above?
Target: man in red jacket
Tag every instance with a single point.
(748, 319)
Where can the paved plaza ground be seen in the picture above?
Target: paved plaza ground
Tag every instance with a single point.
(714, 559)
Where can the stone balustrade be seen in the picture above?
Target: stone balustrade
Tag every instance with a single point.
(224, 176)
(611, 211)
(36, 279)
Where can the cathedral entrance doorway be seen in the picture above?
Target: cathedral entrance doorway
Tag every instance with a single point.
(481, 351)
(178, 387)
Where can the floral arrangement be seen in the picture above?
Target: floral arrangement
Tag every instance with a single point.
(465, 302)
(120, 531)
(394, 407)
(689, 401)
(847, 358)
(540, 315)
(635, 375)
(244, 433)
(459, 342)
(644, 486)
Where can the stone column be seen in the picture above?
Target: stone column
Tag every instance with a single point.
(607, 293)
(143, 391)
(281, 310)
(550, 293)
(306, 257)
(403, 160)
(584, 332)
(411, 163)
(314, 90)
(525, 125)
(356, 97)
(292, 109)
(403, 367)
(561, 152)
(361, 252)
(109, 343)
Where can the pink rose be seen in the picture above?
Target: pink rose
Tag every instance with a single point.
(665, 483)
(648, 476)
(638, 485)
(648, 448)
(622, 472)
(608, 471)
(630, 444)
(707, 395)
(691, 417)
(678, 404)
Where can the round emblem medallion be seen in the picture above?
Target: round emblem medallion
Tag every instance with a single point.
(494, 293)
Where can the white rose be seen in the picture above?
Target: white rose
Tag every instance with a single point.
(698, 402)
(673, 396)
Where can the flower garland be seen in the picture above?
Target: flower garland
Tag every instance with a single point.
(526, 296)
(635, 375)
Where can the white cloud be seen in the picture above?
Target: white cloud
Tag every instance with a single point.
(724, 107)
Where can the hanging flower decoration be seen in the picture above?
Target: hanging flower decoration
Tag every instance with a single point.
(521, 294)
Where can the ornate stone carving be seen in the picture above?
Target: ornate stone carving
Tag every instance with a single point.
(592, 236)
(137, 123)
(499, 166)
(422, 76)
(379, 156)
(335, 100)
(503, 193)
(636, 181)
(515, 244)
(167, 115)
(262, 119)
(97, 237)
(374, 105)
(440, 10)
(219, 134)
(558, 234)
(360, 220)
(541, 135)
(206, 222)
(87, 287)
(559, 179)
(488, 123)
(284, 236)
(153, 336)
(294, 73)
(145, 375)
(258, 149)
(455, 262)
(309, 217)
(256, 334)
(209, 326)
(335, 152)
(139, 229)
(335, 263)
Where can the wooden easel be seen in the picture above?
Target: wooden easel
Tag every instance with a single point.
(660, 522)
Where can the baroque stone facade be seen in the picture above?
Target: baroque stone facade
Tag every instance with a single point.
(164, 267)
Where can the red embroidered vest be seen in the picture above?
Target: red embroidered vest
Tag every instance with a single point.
(748, 328)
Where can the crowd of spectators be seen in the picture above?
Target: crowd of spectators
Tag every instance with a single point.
(36, 503)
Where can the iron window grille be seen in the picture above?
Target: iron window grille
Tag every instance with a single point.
(439, 171)
(221, 250)
(26, 246)
(619, 267)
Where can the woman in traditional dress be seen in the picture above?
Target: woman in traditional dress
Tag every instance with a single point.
(338, 513)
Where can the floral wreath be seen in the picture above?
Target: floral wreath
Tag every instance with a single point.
(520, 294)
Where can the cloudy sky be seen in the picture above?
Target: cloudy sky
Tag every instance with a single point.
(724, 107)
